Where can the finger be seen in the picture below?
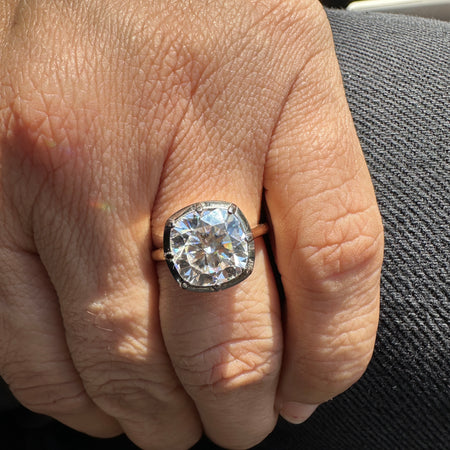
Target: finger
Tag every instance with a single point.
(328, 238)
(95, 168)
(35, 360)
(225, 346)
(110, 310)
(109, 301)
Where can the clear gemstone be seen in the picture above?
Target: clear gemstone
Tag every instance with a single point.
(209, 245)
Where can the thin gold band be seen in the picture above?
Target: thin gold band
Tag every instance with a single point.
(259, 230)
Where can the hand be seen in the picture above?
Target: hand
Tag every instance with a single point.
(114, 115)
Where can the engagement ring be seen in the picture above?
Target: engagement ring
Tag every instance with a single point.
(209, 246)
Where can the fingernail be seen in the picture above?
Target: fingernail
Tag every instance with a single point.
(297, 412)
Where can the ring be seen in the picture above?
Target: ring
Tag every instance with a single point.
(209, 246)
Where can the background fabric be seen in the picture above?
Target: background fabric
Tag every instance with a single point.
(396, 73)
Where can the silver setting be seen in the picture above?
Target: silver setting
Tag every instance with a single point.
(203, 207)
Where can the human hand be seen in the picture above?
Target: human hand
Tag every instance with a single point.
(115, 115)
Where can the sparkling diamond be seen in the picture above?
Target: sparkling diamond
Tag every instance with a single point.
(210, 246)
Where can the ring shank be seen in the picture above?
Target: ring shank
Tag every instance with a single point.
(257, 231)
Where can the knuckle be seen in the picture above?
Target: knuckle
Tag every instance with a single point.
(228, 367)
(127, 390)
(43, 122)
(38, 76)
(347, 247)
(52, 399)
(40, 132)
(116, 363)
(144, 396)
(43, 386)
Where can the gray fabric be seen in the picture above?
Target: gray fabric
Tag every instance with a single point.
(396, 74)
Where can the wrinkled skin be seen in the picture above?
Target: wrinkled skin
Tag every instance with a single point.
(114, 115)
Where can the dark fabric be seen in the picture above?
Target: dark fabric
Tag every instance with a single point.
(335, 3)
(396, 74)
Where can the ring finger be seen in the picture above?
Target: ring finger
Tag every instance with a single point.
(225, 346)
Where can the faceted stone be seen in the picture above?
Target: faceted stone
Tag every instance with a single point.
(210, 246)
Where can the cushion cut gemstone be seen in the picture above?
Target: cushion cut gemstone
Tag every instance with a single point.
(210, 245)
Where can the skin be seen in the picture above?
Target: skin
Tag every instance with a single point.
(114, 115)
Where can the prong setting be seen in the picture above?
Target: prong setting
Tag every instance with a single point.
(209, 246)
